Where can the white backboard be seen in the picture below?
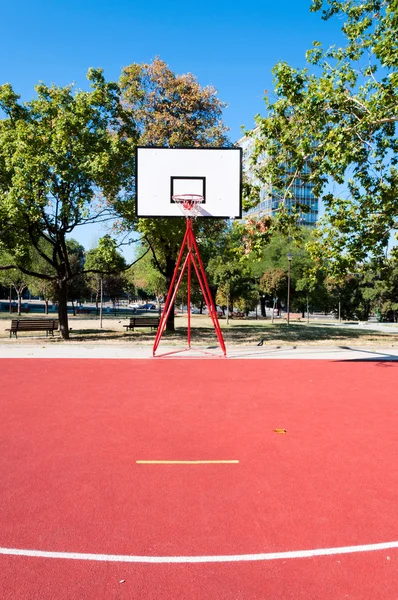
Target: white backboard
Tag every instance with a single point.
(214, 173)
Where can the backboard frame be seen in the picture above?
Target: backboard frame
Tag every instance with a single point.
(191, 177)
(139, 213)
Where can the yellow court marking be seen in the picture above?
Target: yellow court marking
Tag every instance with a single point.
(187, 462)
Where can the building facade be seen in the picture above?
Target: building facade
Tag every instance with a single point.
(270, 202)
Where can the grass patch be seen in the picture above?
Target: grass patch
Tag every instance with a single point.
(280, 333)
(239, 332)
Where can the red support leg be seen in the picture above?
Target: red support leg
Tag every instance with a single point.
(210, 305)
(165, 313)
(213, 308)
(189, 286)
(168, 306)
(193, 257)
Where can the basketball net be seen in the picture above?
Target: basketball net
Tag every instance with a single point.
(189, 204)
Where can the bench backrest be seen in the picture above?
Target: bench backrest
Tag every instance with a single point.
(30, 324)
(143, 320)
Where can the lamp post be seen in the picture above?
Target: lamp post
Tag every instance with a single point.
(289, 258)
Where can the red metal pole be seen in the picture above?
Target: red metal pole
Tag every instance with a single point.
(190, 242)
(189, 224)
(167, 307)
(201, 274)
(208, 299)
(208, 292)
(165, 312)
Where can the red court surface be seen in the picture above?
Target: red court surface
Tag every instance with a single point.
(72, 431)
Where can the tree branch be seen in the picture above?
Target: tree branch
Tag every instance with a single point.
(40, 252)
(28, 272)
(159, 266)
(111, 272)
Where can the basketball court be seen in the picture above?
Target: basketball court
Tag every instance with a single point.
(196, 478)
(149, 478)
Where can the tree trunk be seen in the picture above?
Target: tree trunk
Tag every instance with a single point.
(63, 310)
(19, 302)
(339, 308)
(45, 298)
(170, 266)
(262, 305)
(367, 311)
(213, 291)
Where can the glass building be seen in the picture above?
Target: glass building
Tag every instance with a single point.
(269, 201)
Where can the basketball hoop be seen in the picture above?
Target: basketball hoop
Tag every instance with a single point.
(189, 204)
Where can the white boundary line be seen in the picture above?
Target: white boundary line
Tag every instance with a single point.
(200, 559)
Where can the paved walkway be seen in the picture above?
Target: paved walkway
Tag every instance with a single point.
(70, 350)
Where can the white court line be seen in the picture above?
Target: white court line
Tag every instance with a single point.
(126, 558)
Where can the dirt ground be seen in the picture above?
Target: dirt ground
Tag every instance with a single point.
(237, 332)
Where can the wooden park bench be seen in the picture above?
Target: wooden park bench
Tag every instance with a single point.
(293, 317)
(47, 325)
(24, 309)
(152, 322)
(85, 311)
(237, 315)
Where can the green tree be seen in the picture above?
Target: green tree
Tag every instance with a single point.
(171, 110)
(307, 277)
(379, 287)
(146, 277)
(234, 282)
(335, 123)
(44, 289)
(310, 290)
(77, 287)
(273, 283)
(104, 263)
(15, 278)
(65, 159)
(345, 296)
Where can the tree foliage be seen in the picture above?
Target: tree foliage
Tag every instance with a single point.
(15, 278)
(333, 125)
(145, 277)
(65, 159)
(104, 263)
(171, 110)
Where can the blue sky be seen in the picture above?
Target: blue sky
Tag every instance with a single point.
(230, 45)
